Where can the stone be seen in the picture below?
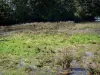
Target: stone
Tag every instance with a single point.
(89, 54)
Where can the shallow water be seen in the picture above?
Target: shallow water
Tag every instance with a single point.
(79, 71)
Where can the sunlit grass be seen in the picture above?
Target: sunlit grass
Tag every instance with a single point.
(85, 39)
(30, 45)
(23, 44)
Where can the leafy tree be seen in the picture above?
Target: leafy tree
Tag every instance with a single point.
(83, 9)
(16, 11)
(21, 10)
(96, 7)
(4, 11)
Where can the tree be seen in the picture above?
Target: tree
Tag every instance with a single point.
(83, 9)
(22, 10)
(4, 11)
(96, 7)
(18, 11)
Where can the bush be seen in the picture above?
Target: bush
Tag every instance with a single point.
(64, 57)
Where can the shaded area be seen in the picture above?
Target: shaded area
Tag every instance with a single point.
(22, 11)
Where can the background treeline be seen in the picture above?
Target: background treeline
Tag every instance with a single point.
(19, 11)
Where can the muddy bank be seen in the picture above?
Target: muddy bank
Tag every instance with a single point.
(57, 27)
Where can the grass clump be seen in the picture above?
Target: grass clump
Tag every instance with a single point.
(64, 57)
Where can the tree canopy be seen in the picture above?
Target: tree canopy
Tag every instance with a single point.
(19, 11)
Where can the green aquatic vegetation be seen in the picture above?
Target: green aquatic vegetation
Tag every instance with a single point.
(85, 39)
(25, 44)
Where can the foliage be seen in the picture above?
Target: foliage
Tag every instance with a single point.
(5, 12)
(50, 10)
